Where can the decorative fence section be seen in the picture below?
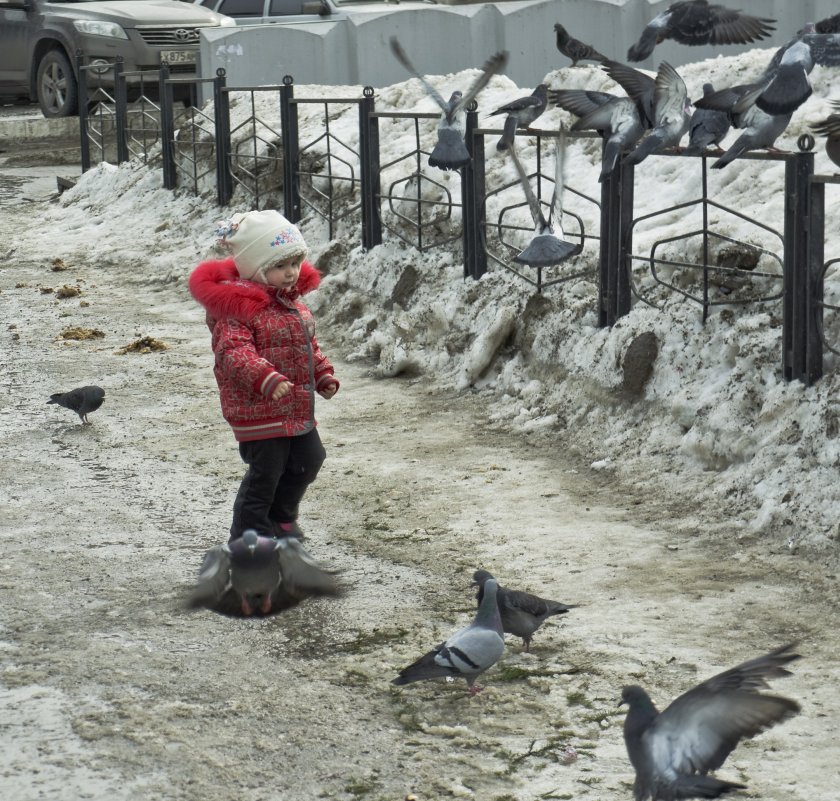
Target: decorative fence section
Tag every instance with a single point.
(337, 180)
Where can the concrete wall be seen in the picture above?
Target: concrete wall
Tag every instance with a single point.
(449, 38)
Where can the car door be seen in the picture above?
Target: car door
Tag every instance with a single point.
(17, 29)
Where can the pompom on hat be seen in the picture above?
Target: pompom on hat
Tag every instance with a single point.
(258, 239)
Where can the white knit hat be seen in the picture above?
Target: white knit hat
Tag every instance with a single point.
(258, 239)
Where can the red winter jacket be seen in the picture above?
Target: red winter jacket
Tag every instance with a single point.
(262, 336)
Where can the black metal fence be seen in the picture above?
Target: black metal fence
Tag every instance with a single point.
(263, 160)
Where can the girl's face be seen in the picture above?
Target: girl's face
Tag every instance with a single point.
(283, 274)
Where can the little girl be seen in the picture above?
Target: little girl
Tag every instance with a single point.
(268, 365)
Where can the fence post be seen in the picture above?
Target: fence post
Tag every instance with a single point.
(84, 142)
(221, 113)
(167, 128)
(473, 190)
(816, 259)
(120, 111)
(291, 150)
(369, 155)
(616, 245)
(798, 322)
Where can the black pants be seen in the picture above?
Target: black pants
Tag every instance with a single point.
(279, 471)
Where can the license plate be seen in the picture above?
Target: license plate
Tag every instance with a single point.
(179, 56)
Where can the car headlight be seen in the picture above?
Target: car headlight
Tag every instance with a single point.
(98, 28)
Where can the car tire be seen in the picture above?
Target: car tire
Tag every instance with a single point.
(58, 92)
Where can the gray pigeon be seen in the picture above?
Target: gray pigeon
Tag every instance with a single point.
(707, 127)
(672, 112)
(575, 49)
(520, 114)
(83, 401)
(522, 613)
(255, 574)
(466, 653)
(673, 751)
(830, 129)
(450, 152)
(697, 22)
(617, 119)
(548, 247)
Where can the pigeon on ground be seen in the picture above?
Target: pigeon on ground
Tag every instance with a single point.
(255, 574)
(521, 113)
(830, 129)
(82, 400)
(548, 246)
(707, 128)
(673, 751)
(697, 22)
(829, 25)
(468, 652)
(575, 49)
(450, 151)
(522, 613)
(617, 119)
(671, 110)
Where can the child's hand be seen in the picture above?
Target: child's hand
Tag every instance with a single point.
(328, 391)
(282, 389)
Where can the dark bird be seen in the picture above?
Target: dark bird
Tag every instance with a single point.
(697, 22)
(707, 127)
(575, 49)
(83, 401)
(673, 751)
(521, 113)
(829, 25)
(450, 151)
(255, 574)
(617, 119)
(671, 109)
(468, 652)
(522, 613)
(830, 129)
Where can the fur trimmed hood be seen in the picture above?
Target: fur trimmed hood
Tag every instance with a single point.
(216, 285)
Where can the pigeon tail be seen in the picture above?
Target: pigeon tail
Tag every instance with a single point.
(546, 250)
(741, 145)
(609, 161)
(648, 146)
(450, 152)
(703, 787)
(509, 133)
(424, 668)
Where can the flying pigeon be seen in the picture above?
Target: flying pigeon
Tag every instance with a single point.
(466, 653)
(697, 22)
(450, 151)
(673, 751)
(522, 613)
(548, 246)
(256, 574)
(671, 111)
(617, 119)
(83, 401)
(830, 129)
(521, 113)
(575, 49)
(706, 128)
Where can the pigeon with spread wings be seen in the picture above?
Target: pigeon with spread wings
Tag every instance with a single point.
(450, 152)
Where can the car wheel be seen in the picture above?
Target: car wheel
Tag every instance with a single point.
(58, 93)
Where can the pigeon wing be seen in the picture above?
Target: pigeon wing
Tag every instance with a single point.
(302, 575)
(494, 65)
(579, 102)
(825, 48)
(213, 578)
(670, 94)
(696, 24)
(402, 57)
(829, 25)
(540, 221)
(639, 86)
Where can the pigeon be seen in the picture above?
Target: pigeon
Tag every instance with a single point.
(830, 129)
(466, 653)
(575, 49)
(521, 113)
(671, 110)
(522, 613)
(82, 400)
(697, 22)
(256, 574)
(450, 152)
(707, 127)
(829, 25)
(617, 119)
(673, 751)
(548, 246)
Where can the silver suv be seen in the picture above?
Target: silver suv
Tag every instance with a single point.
(39, 40)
